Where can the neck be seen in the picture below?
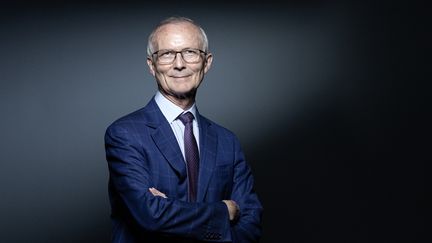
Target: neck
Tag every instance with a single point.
(182, 101)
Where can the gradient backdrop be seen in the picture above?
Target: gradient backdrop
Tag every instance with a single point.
(325, 98)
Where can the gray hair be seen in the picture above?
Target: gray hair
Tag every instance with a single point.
(175, 20)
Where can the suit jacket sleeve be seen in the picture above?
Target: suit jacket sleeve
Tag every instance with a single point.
(248, 227)
(131, 180)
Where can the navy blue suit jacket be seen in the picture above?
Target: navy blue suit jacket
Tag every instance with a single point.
(142, 152)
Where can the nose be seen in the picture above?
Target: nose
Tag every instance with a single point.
(179, 63)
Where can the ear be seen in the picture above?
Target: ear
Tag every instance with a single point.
(151, 66)
(208, 62)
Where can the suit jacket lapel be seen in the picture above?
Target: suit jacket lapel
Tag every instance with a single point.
(208, 146)
(167, 144)
(164, 139)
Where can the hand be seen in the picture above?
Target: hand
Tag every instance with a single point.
(233, 209)
(157, 193)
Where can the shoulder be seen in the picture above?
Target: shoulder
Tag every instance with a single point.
(128, 119)
(137, 120)
(127, 131)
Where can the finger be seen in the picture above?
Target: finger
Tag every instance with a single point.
(162, 194)
(156, 192)
(153, 191)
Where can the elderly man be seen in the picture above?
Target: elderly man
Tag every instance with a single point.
(176, 176)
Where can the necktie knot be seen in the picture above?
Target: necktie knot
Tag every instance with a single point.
(186, 117)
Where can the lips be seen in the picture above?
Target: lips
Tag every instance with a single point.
(185, 76)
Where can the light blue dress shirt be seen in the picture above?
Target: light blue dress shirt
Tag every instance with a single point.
(171, 112)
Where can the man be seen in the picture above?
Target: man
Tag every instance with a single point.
(176, 176)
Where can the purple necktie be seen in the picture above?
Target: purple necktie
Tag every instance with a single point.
(191, 154)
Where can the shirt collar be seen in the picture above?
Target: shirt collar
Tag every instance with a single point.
(170, 110)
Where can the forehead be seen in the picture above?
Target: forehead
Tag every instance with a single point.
(178, 35)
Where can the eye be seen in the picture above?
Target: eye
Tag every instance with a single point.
(190, 52)
(166, 53)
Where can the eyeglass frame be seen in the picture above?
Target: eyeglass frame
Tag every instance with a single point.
(175, 56)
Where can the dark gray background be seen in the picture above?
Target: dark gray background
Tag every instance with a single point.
(326, 99)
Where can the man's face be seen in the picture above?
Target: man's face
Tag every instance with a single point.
(179, 79)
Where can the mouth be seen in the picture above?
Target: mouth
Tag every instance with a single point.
(184, 76)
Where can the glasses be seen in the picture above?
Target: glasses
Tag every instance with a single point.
(189, 55)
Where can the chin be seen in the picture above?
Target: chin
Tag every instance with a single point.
(184, 94)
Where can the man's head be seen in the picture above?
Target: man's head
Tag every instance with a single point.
(178, 57)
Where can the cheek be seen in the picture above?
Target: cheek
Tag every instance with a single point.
(198, 67)
(160, 74)
(197, 77)
(199, 71)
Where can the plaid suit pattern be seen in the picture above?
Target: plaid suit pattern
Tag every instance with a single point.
(142, 152)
